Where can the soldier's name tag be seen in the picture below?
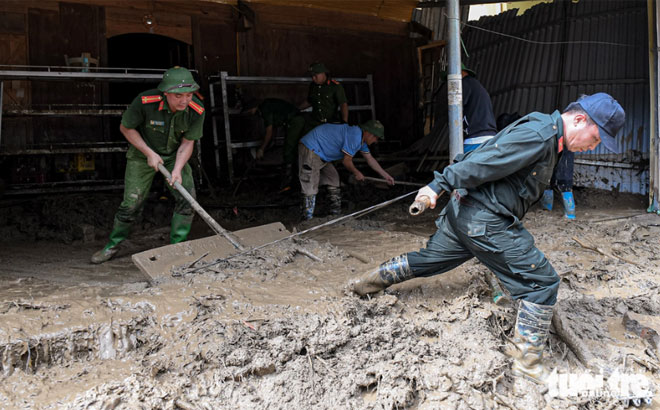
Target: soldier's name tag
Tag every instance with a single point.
(157, 123)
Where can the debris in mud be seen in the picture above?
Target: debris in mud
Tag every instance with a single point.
(274, 330)
(264, 261)
(645, 332)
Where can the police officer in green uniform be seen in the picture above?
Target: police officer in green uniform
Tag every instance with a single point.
(275, 113)
(492, 188)
(162, 126)
(329, 105)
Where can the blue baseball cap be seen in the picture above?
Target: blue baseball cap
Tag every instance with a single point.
(607, 113)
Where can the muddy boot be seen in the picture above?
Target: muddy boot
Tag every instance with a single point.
(499, 297)
(388, 273)
(180, 227)
(546, 200)
(120, 231)
(569, 204)
(308, 204)
(334, 195)
(530, 335)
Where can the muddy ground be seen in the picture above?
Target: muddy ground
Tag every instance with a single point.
(279, 330)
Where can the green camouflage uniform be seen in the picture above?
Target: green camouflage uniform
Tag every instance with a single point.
(162, 130)
(325, 100)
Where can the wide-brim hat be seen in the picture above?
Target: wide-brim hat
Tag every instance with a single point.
(608, 115)
(375, 127)
(178, 80)
(468, 70)
(318, 68)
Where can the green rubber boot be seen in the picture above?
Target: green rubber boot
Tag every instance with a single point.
(120, 231)
(181, 225)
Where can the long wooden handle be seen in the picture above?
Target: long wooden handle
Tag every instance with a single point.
(200, 211)
(395, 182)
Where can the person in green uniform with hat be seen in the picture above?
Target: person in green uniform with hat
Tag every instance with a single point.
(274, 112)
(329, 105)
(162, 126)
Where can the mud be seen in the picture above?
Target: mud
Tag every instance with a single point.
(278, 329)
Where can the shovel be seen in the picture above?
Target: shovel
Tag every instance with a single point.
(157, 263)
(200, 211)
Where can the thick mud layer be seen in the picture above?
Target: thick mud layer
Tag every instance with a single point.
(278, 328)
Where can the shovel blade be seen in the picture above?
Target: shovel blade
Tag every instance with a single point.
(157, 263)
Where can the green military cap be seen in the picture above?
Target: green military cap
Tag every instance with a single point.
(469, 71)
(318, 68)
(178, 80)
(375, 127)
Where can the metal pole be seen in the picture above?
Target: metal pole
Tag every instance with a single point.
(370, 78)
(225, 112)
(654, 76)
(454, 82)
(2, 91)
(214, 126)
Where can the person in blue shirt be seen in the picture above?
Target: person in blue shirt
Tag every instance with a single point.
(333, 142)
(492, 189)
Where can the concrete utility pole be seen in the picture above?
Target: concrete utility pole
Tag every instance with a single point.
(454, 82)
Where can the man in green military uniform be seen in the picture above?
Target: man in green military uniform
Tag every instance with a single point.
(492, 188)
(275, 113)
(162, 126)
(329, 105)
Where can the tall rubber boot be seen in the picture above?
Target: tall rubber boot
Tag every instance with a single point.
(569, 204)
(334, 195)
(308, 204)
(180, 227)
(120, 231)
(530, 335)
(395, 270)
(547, 199)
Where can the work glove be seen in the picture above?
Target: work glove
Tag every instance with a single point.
(427, 192)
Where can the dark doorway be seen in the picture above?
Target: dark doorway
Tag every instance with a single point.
(141, 50)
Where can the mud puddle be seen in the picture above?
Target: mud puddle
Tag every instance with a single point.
(280, 331)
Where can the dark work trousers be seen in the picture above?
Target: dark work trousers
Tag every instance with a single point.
(466, 229)
(562, 178)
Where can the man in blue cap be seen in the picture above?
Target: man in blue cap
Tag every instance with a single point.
(162, 126)
(492, 189)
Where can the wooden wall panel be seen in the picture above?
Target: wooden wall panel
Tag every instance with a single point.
(295, 18)
(13, 51)
(273, 50)
(13, 23)
(122, 21)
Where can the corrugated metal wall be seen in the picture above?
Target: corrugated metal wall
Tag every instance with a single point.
(435, 18)
(578, 48)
